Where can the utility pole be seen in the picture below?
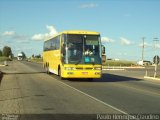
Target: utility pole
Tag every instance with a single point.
(155, 43)
(143, 49)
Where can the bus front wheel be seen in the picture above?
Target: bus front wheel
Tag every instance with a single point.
(59, 73)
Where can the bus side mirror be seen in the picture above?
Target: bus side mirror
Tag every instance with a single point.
(103, 49)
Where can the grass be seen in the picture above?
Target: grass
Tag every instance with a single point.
(120, 63)
(2, 59)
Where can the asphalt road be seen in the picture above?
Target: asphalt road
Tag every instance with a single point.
(26, 89)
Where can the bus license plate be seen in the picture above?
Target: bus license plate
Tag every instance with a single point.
(84, 73)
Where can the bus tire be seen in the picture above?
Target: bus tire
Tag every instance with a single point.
(47, 68)
(90, 79)
(59, 73)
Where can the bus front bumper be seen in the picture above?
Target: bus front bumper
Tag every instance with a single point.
(82, 74)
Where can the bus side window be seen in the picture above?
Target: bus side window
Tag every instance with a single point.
(64, 49)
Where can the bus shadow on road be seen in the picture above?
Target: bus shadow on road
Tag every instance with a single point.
(115, 78)
(107, 78)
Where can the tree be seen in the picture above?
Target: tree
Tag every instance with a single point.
(37, 56)
(0, 52)
(7, 51)
(24, 55)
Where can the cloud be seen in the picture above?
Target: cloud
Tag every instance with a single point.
(38, 37)
(90, 5)
(157, 46)
(14, 35)
(52, 32)
(145, 44)
(107, 40)
(8, 33)
(125, 41)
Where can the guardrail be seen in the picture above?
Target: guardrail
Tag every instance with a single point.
(121, 67)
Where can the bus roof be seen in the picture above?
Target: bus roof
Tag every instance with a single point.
(76, 32)
(80, 32)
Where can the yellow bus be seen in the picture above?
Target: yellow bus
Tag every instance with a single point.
(74, 54)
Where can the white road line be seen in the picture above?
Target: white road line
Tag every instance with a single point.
(133, 117)
(97, 100)
(152, 78)
(94, 98)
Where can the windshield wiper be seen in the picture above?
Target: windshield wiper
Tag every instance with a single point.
(93, 63)
(78, 62)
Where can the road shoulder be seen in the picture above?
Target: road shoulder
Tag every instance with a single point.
(151, 78)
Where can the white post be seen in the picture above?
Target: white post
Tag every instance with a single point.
(155, 71)
(146, 73)
(5, 63)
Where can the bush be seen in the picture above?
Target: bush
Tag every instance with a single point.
(120, 63)
(5, 59)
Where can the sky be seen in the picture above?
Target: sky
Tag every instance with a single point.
(24, 24)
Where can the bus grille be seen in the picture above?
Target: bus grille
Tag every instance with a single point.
(81, 68)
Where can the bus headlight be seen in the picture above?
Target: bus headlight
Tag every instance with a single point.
(97, 68)
(70, 73)
(97, 73)
(69, 68)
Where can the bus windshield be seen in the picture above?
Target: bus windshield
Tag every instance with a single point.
(82, 49)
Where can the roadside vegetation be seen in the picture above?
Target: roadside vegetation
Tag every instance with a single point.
(38, 60)
(6, 54)
(3, 58)
(35, 58)
(120, 63)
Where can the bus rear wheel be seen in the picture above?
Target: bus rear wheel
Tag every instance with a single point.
(90, 79)
(47, 68)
